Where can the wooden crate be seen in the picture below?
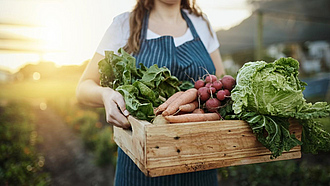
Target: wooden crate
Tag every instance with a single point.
(186, 147)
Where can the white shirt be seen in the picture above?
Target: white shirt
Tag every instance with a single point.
(117, 34)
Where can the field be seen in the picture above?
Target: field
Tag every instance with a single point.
(58, 96)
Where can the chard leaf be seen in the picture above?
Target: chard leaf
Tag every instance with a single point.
(185, 85)
(106, 75)
(129, 93)
(140, 87)
(145, 111)
(147, 94)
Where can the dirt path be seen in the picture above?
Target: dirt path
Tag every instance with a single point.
(68, 162)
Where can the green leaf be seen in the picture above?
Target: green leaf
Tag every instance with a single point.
(145, 91)
(273, 133)
(266, 95)
(185, 85)
(255, 119)
(314, 138)
(140, 87)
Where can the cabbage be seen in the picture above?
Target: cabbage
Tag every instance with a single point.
(266, 95)
(274, 89)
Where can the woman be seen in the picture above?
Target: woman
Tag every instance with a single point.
(171, 33)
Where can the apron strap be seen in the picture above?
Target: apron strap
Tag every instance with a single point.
(190, 24)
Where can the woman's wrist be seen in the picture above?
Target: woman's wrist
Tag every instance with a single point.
(106, 93)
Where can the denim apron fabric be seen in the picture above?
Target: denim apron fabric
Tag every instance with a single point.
(186, 61)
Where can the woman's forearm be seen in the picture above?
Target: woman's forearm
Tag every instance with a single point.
(217, 61)
(91, 94)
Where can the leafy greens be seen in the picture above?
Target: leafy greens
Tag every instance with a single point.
(142, 88)
(267, 95)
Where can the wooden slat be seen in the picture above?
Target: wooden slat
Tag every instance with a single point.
(198, 166)
(133, 142)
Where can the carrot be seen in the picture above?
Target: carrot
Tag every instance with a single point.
(192, 117)
(187, 97)
(189, 107)
(164, 105)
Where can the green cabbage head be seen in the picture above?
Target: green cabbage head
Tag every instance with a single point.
(273, 89)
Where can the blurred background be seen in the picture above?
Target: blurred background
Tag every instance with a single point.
(48, 139)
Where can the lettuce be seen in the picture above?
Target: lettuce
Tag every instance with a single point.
(142, 88)
(267, 95)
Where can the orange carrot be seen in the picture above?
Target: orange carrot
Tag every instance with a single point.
(189, 107)
(187, 97)
(192, 117)
(164, 105)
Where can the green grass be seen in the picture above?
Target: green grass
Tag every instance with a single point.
(20, 163)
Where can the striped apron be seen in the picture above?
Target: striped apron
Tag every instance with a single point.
(189, 60)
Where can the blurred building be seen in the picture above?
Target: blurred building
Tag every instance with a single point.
(284, 28)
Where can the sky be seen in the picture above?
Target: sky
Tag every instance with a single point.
(69, 31)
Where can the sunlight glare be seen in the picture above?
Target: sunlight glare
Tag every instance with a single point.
(36, 76)
(68, 32)
(43, 106)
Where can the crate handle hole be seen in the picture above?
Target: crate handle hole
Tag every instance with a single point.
(129, 131)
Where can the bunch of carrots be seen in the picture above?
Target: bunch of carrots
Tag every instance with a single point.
(200, 103)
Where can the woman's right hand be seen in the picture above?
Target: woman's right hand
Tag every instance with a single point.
(115, 108)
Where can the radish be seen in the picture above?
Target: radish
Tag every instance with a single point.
(221, 95)
(211, 90)
(210, 78)
(228, 82)
(208, 85)
(227, 92)
(199, 83)
(198, 111)
(217, 85)
(203, 93)
(212, 104)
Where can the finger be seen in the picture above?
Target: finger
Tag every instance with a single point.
(117, 124)
(119, 121)
(121, 104)
(115, 117)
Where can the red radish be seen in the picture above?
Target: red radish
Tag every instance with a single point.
(227, 92)
(210, 78)
(217, 85)
(228, 82)
(211, 90)
(208, 85)
(199, 83)
(203, 93)
(198, 111)
(221, 95)
(212, 104)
